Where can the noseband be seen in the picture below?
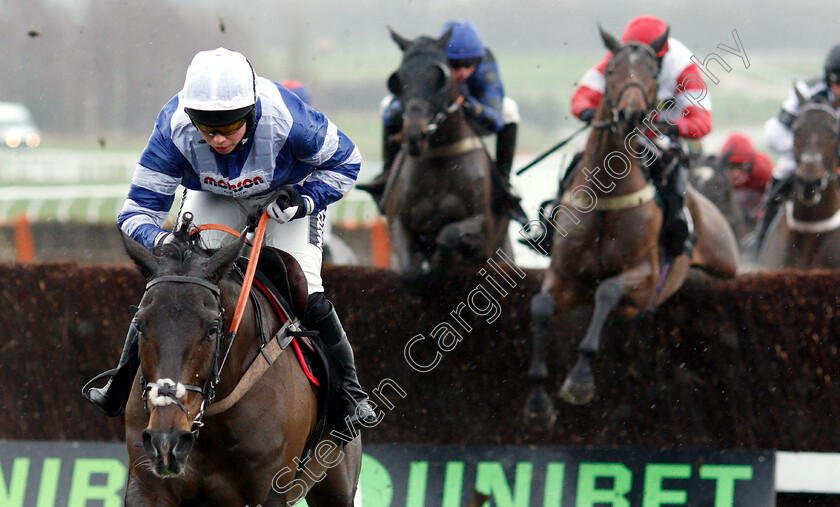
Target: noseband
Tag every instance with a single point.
(165, 392)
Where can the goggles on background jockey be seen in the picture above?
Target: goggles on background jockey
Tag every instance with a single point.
(463, 64)
(833, 77)
(224, 130)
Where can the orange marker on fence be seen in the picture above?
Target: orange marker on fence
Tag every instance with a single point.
(380, 244)
(24, 242)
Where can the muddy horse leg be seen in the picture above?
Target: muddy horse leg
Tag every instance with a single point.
(539, 410)
(579, 387)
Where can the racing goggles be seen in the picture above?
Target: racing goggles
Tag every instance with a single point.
(224, 130)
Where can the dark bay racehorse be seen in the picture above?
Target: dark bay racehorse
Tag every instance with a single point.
(610, 249)
(438, 197)
(806, 232)
(710, 176)
(245, 454)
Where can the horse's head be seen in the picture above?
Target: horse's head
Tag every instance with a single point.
(424, 86)
(631, 82)
(180, 324)
(815, 149)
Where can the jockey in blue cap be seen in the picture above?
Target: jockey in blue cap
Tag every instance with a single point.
(474, 69)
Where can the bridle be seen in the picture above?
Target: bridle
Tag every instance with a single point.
(444, 110)
(165, 391)
(614, 120)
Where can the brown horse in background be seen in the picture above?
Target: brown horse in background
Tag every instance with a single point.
(806, 232)
(438, 197)
(246, 454)
(606, 245)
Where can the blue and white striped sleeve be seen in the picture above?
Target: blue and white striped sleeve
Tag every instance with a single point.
(316, 141)
(153, 187)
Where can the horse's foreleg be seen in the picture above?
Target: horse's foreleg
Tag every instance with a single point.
(404, 248)
(579, 387)
(539, 411)
(340, 484)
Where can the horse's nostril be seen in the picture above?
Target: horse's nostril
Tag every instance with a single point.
(149, 444)
(182, 442)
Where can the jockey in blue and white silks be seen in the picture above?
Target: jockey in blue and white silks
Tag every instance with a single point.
(231, 138)
(289, 143)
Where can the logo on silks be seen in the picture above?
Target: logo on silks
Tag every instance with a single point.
(75, 473)
(234, 186)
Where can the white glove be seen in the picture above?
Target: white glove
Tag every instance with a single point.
(290, 205)
(164, 238)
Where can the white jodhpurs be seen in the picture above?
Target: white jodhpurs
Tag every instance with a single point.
(302, 238)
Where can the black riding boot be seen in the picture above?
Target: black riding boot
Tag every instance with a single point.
(353, 402)
(778, 193)
(390, 148)
(505, 197)
(675, 236)
(112, 397)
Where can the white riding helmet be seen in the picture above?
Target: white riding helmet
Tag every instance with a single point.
(220, 88)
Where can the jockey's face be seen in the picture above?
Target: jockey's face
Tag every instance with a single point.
(461, 70)
(739, 173)
(224, 144)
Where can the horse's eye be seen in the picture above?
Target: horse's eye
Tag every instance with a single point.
(213, 331)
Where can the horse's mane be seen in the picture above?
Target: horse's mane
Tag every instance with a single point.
(177, 256)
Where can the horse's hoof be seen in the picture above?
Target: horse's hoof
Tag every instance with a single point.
(539, 413)
(577, 394)
(579, 387)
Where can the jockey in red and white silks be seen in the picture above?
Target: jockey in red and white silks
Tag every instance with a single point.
(678, 77)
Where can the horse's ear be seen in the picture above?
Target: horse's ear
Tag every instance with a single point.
(217, 266)
(444, 39)
(799, 97)
(609, 41)
(145, 261)
(401, 41)
(658, 43)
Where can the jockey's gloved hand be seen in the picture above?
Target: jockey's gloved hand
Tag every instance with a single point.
(587, 115)
(163, 238)
(472, 106)
(289, 205)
